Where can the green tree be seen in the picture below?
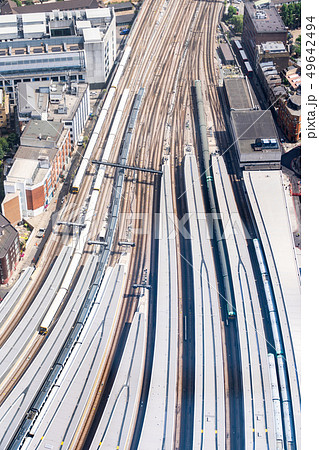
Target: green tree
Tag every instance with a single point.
(4, 144)
(297, 50)
(237, 21)
(297, 47)
(284, 12)
(12, 139)
(231, 12)
(291, 15)
(18, 2)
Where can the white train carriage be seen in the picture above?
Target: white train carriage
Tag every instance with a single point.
(260, 258)
(286, 402)
(275, 398)
(98, 127)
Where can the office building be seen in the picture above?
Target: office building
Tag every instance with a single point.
(261, 25)
(42, 158)
(289, 117)
(256, 141)
(57, 102)
(10, 7)
(62, 46)
(275, 52)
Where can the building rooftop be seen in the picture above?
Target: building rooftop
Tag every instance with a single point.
(42, 131)
(11, 7)
(121, 6)
(7, 235)
(239, 93)
(227, 54)
(273, 47)
(251, 125)
(124, 19)
(66, 27)
(92, 34)
(280, 2)
(294, 79)
(22, 169)
(254, 124)
(47, 101)
(35, 153)
(294, 105)
(267, 198)
(265, 20)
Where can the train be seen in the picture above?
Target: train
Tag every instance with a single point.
(48, 318)
(91, 300)
(98, 126)
(247, 69)
(279, 347)
(110, 140)
(276, 401)
(51, 383)
(222, 250)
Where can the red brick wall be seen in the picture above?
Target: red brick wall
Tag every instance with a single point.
(11, 210)
(290, 127)
(35, 198)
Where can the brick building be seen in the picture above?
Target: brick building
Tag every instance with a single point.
(289, 117)
(9, 249)
(44, 154)
(271, 83)
(275, 52)
(260, 26)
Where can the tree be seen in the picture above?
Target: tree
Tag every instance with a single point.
(291, 15)
(297, 47)
(12, 139)
(4, 144)
(231, 12)
(237, 21)
(284, 13)
(297, 50)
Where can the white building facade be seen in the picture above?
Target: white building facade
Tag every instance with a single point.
(72, 46)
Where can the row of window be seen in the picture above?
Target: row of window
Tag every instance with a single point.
(37, 61)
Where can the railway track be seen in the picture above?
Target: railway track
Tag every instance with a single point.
(158, 54)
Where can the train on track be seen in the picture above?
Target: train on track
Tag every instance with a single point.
(98, 127)
(279, 353)
(92, 299)
(222, 250)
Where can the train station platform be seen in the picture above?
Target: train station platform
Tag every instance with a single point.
(266, 193)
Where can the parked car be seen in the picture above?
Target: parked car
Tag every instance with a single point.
(40, 232)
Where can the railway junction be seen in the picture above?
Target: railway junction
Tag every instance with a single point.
(167, 315)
